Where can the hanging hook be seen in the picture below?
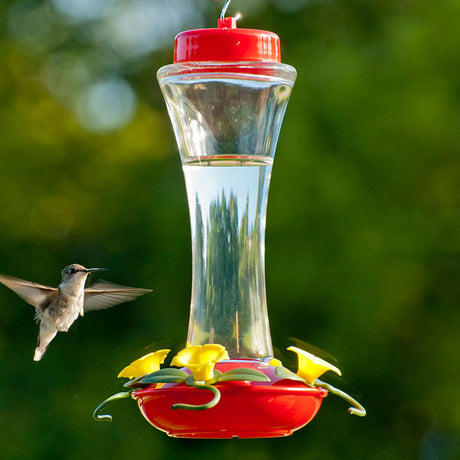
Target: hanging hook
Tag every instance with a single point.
(224, 9)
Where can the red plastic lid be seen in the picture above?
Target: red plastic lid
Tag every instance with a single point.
(227, 43)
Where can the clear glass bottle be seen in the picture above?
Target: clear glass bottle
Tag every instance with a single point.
(226, 117)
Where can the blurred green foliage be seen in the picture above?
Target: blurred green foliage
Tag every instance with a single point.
(363, 219)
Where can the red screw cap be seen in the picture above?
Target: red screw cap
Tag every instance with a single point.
(227, 43)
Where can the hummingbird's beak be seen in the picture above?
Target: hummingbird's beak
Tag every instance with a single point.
(90, 270)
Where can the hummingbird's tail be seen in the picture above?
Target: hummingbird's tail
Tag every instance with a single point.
(45, 336)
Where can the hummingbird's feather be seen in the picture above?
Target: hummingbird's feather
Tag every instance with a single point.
(34, 294)
(45, 336)
(104, 295)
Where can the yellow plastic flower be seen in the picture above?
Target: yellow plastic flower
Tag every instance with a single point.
(275, 362)
(145, 365)
(200, 359)
(310, 366)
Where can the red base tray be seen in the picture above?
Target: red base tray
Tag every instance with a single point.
(245, 410)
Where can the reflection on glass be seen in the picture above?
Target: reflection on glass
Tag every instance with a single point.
(227, 207)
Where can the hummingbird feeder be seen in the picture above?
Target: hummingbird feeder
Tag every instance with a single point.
(226, 95)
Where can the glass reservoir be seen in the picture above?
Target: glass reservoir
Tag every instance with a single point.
(226, 117)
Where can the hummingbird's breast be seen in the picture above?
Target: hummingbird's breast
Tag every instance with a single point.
(63, 311)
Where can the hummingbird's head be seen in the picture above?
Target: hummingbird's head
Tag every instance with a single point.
(77, 272)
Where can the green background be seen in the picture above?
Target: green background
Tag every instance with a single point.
(362, 242)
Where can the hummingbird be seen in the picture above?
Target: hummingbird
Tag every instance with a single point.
(57, 308)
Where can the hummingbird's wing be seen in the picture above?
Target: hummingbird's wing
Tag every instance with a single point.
(34, 294)
(104, 295)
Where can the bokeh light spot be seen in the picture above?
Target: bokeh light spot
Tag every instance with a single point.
(82, 10)
(106, 105)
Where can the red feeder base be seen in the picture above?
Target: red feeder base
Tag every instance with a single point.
(245, 410)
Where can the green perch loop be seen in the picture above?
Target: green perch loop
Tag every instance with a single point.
(358, 409)
(215, 400)
(108, 418)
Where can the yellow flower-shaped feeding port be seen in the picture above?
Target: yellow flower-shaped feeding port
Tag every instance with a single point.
(200, 360)
(310, 367)
(145, 365)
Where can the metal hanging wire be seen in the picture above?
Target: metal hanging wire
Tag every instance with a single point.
(224, 9)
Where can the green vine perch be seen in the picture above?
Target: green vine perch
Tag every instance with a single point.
(358, 409)
(215, 400)
(108, 418)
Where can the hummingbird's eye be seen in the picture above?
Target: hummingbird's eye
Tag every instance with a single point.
(72, 271)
